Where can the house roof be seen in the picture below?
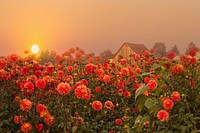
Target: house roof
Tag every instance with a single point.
(137, 48)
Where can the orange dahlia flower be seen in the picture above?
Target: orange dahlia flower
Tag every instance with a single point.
(26, 127)
(175, 96)
(109, 105)
(25, 105)
(63, 88)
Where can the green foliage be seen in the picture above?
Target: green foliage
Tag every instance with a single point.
(140, 90)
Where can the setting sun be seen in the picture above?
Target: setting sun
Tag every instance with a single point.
(35, 49)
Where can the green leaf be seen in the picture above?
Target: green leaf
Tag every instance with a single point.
(156, 66)
(140, 90)
(139, 123)
(2, 113)
(196, 118)
(138, 120)
(149, 103)
(140, 103)
(152, 105)
(6, 122)
(169, 132)
(145, 74)
(184, 129)
(193, 121)
(189, 124)
(74, 129)
(164, 74)
(181, 110)
(162, 131)
(194, 131)
(1, 123)
(10, 119)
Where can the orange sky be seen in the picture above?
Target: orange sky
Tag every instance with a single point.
(97, 25)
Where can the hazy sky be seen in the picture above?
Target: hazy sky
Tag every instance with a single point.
(97, 25)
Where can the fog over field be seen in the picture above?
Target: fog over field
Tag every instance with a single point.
(96, 25)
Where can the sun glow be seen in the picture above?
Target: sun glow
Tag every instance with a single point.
(35, 49)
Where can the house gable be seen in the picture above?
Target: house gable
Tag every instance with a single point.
(127, 49)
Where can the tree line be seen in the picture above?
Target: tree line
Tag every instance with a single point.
(159, 50)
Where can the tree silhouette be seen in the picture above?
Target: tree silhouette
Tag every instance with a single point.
(47, 56)
(191, 45)
(160, 49)
(175, 49)
(106, 54)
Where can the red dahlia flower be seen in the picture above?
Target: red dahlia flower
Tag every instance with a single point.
(41, 84)
(175, 96)
(97, 105)
(118, 122)
(163, 115)
(192, 52)
(168, 104)
(152, 84)
(2, 63)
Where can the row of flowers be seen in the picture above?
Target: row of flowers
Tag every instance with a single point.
(80, 94)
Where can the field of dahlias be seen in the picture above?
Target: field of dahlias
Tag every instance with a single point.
(80, 94)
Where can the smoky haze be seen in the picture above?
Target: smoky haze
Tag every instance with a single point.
(97, 25)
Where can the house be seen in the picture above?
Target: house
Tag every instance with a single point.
(127, 49)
